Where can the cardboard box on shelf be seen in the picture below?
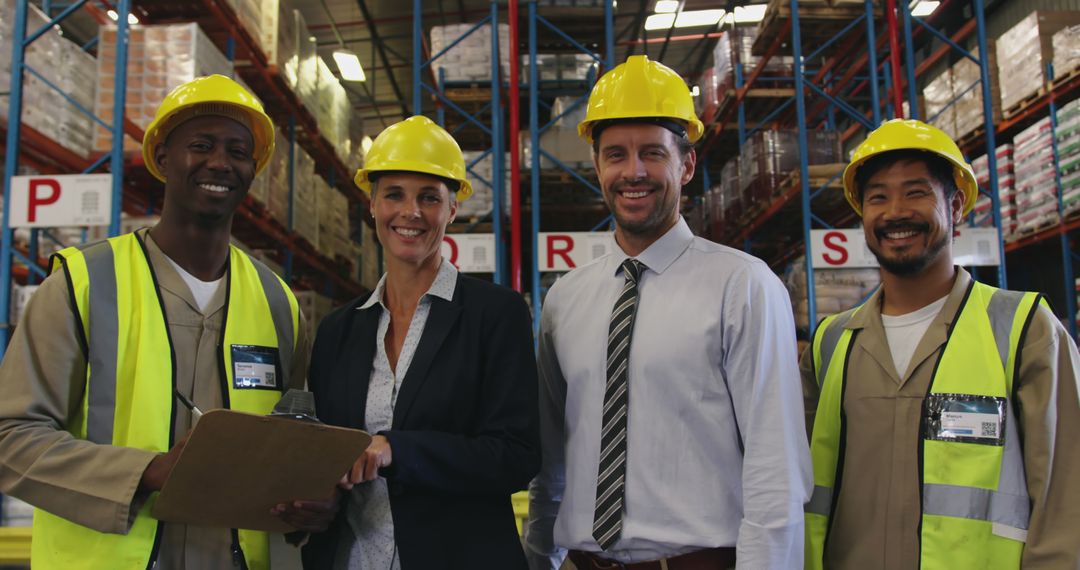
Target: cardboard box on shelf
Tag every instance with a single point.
(1024, 50)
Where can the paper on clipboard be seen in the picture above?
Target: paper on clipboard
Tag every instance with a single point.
(237, 466)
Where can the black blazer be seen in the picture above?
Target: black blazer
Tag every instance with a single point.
(465, 429)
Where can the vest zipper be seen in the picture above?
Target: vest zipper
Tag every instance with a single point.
(152, 563)
(237, 553)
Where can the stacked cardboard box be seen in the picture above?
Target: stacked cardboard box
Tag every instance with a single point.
(938, 97)
(967, 90)
(1068, 144)
(1006, 190)
(1024, 50)
(333, 220)
(307, 64)
(835, 290)
(65, 65)
(469, 59)
(305, 199)
(160, 58)
(1066, 45)
(1036, 186)
(370, 269)
(277, 181)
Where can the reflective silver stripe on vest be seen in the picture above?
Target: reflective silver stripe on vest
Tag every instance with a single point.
(830, 337)
(105, 322)
(281, 312)
(977, 504)
(1002, 310)
(820, 501)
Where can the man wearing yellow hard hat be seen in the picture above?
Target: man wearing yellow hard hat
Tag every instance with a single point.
(671, 418)
(440, 367)
(124, 330)
(942, 408)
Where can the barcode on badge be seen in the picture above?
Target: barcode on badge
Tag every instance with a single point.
(989, 429)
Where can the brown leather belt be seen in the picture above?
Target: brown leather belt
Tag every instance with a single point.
(721, 558)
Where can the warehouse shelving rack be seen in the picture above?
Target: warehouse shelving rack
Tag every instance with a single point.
(22, 39)
(885, 75)
(535, 20)
(495, 129)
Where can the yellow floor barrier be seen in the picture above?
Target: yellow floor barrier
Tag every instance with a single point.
(14, 545)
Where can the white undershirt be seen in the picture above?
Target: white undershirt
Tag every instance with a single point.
(201, 290)
(903, 332)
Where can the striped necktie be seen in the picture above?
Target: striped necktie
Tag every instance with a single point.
(607, 518)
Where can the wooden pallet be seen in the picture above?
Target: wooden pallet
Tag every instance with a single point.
(969, 138)
(1066, 77)
(1024, 103)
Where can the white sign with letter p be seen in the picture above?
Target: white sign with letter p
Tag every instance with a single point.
(60, 200)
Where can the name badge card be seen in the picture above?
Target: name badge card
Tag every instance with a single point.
(255, 367)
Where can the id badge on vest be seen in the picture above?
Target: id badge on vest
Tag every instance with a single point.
(255, 367)
(965, 418)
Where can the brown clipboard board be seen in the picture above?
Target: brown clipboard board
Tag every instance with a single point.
(237, 466)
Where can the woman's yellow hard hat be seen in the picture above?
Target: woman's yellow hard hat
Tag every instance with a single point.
(909, 134)
(416, 144)
(641, 88)
(210, 95)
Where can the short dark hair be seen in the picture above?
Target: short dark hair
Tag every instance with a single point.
(939, 167)
(452, 185)
(681, 140)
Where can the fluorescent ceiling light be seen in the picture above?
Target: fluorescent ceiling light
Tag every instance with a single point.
(749, 14)
(132, 18)
(666, 6)
(365, 144)
(695, 91)
(349, 66)
(689, 19)
(924, 8)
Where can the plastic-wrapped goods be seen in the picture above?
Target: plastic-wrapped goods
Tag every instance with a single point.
(1006, 190)
(277, 181)
(768, 157)
(835, 290)
(967, 91)
(481, 176)
(1068, 144)
(333, 219)
(1066, 42)
(938, 96)
(1036, 186)
(470, 59)
(64, 64)
(558, 67)
(1024, 50)
(560, 142)
(731, 191)
(307, 64)
(571, 114)
(708, 100)
(160, 58)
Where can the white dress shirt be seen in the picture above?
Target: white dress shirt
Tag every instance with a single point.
(709, 319)
(368, 514)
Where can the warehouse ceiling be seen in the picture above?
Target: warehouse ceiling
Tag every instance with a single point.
(380, 32)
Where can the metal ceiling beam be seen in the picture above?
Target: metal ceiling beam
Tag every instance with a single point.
(382, 55)
(667, 36)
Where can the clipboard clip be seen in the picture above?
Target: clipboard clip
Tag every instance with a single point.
(296, 405)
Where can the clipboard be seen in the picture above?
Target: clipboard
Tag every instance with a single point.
(237, 466)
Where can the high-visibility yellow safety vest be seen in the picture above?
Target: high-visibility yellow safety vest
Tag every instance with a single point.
(975, 506)
(131, 377)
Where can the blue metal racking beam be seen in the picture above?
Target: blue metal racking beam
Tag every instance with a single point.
(495, 130)
(608, 61)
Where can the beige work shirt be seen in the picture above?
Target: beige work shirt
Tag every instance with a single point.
(42, 380)
(878, 511)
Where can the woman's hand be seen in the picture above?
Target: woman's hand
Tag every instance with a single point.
(366, 468)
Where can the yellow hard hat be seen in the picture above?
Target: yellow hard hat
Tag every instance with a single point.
(641, 88)
(210, 95)
(901, 134)
(416, 144)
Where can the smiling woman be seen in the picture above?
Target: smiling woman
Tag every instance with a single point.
(440, 367)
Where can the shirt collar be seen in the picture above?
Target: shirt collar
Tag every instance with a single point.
(443, 286)
(663, 252)
(863, 319)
